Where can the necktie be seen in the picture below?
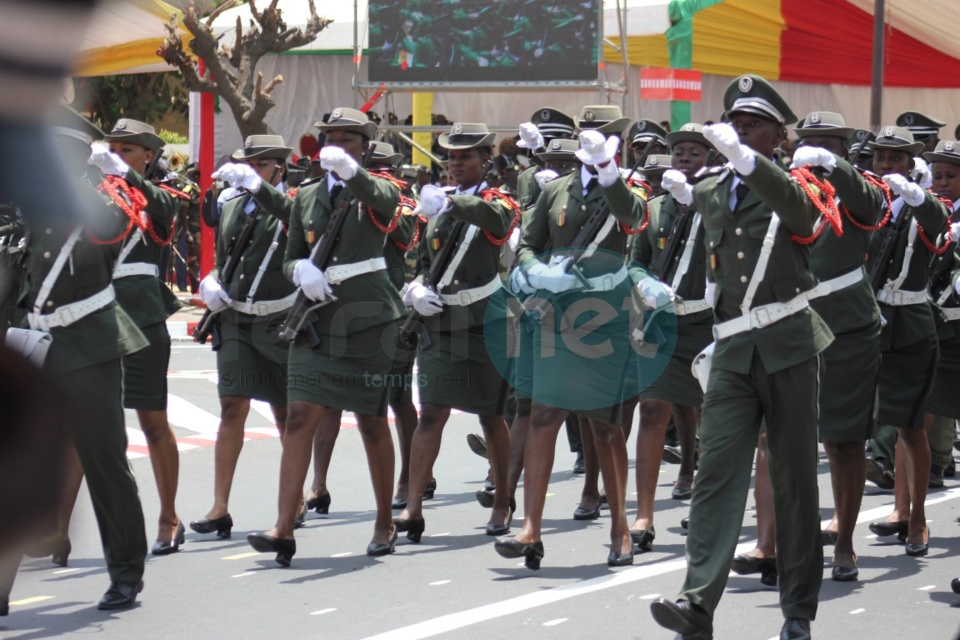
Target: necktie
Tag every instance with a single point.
(591, 183)
(335, 191)
(741, 192)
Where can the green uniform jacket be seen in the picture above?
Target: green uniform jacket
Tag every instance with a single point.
(648, 246)
(528, 189)
(948, 331)
(854, 307)
(362, 301)
(273, 285)
(104, 335)
(561, 211)
(397, 244)
(733, 242)
(145, 298)
(481, 263)
(912, 323)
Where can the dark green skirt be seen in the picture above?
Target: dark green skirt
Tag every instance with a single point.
(456, 372)
(906, 377)
(350, 373)
(945, 396)
(145, 372)
(848, 387)
(674, 381)
(252, 358)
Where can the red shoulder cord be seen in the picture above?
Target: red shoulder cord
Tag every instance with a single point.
(637, 182)
(825, 202)
(418, 223)
(495, 194)
(885, 188)
(128, 199)
(171, 190)
(292, 192)
(400, 185)
(923, 236)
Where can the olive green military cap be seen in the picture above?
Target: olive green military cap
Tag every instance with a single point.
(67, 123)
(752, 94)
(690, 132)
(646, 131)
(605, 118)
(946, 151)
(920, 125)
(262, 147)
(897, 139)
(384, 154)
(467, 135)
(823, 123)
(560, 149)
(135, 132)
(345, 119)
(553, 123)
(862, 138)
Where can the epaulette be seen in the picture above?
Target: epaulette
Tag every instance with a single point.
(313, 180)
(721, 172)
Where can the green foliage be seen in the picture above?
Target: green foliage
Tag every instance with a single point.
(141, 96)
(171, 137)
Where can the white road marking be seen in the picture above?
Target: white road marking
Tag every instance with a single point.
(63, 571)
(25, 601)
(439, 535)
(929, 587)
(484, 613)
(263, 408)
(856, 611)
(184, 413)
(439, 583)
(553, 623)
(241, 556)
(321, 612)
(342, 555)
(650, 596)
(245, 573)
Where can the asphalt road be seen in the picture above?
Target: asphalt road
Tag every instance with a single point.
(453, 584)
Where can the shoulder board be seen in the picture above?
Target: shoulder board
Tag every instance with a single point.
(314, 180)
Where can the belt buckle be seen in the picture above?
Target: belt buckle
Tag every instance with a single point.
(260, 309)
(65, 316)
(896, 298)
(465, 298)
(608, 282)
(762, 317)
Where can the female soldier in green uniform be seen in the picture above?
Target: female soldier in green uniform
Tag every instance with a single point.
(909, 336)
(456, 370)
(251, 358)
(674, 224)
(346, 366)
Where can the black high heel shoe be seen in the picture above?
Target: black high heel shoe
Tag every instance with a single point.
(166, 547)
(485, 498)
(766, 567)
(883, 528)
(283, 547)
(413, 528)
(531, 552)
(301, 520)
(829, 537)
(619, 559)
(918, 549)
(57, 548)
(320, 504)
(430, 489)
(502, 529)
(398, 504)
(581, 513)
(377, 549)
(222, 525)
(643, 538)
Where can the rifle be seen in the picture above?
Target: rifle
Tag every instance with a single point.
(942, 265)
(891, 234)
(588, 232)
(205, 327)
(302, 306)
(412, 331)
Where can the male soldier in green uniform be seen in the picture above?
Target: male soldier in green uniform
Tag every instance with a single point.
(646, 137)
(546, 124)
(251, 304)
(765, 367)
(925, 129)
(69, 294)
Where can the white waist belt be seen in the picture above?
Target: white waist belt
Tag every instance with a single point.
(467, 297)
(688, 307)
(951, 314)
(339, 272)
(827, 287)
(608, 281)
(264, 307)
(900, 298)
(760, 317)
(67, 314)
(136, 269)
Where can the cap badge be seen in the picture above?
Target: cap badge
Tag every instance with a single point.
(555, 144)
(121, 125)
(861, 134)
(745, 84)
(589, 116)
(814, 118)
(688, 127)
(248, 143)
(457, 129)
(641, 126)
(909, 119)
(654, 160)
(948, 146)
(545, 115)
(337, 114)
(888, 132)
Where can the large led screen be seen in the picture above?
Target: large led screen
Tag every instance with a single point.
(496, 41)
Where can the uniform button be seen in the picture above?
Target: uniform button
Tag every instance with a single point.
(241, 276)
(738, 231)
(241, 258)
(334, 258)
(742, 278)
(798, 289)
(49, 303)
(712, 244)
(661, 229)
(46, 254)
(583, 207)
(48, 231)
(740, 254)
(456, 282)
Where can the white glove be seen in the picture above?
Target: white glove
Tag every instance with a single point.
(108, 162)
(311, 281)
(921, 173)
(656, 294)
(595, 149)
(554, 278)
(725, 139)
(433, 202)
(425, 301)
(911, 192)
(240, 176)
(954, 233)
(337, 160)
(519, 282)
(608, 174)
(213, 294)
(530, 136)
(545, 176)
(675, 182)
(710, 293)
(814, 156)
(514, 240)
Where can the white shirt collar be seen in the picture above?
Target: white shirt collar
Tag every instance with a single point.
(585, 178)
(470, 191)
(331, 182)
